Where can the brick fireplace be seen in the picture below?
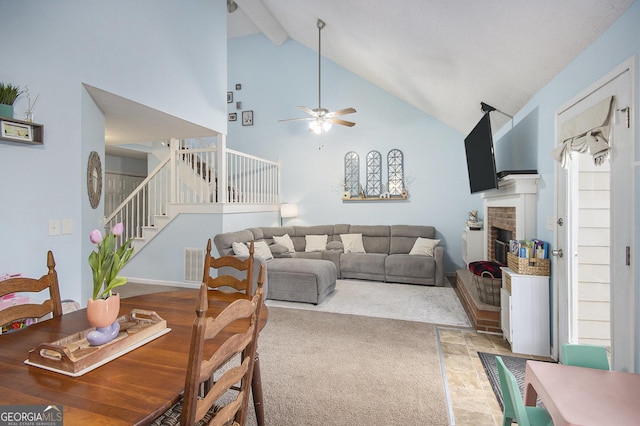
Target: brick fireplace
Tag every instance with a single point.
(509, 212)
(501, 226)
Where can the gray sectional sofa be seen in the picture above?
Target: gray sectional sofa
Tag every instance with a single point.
(310, 276)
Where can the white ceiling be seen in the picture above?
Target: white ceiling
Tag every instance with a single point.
(443, 57)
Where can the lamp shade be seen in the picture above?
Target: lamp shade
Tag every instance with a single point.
(288, 210)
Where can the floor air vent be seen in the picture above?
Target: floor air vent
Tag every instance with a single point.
(193, 265)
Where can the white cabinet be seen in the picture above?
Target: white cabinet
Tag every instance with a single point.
(472, 245)
(524, 315)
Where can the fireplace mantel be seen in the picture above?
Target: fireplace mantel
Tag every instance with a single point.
(520, 192)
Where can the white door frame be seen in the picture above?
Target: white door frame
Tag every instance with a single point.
(623, 339)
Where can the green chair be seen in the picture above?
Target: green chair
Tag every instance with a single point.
(514, 408)
(590, 356)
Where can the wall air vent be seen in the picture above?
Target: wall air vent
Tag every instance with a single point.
(193, 265)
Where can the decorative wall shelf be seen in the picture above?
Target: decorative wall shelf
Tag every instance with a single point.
(395, 198)
(19, 131)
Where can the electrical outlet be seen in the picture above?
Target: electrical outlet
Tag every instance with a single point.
(54, 227)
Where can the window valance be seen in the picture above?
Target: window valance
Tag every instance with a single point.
(588, 132)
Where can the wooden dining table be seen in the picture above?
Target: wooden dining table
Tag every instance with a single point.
(132, 389)
(583, 396)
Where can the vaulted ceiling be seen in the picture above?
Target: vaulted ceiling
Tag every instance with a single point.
(443, 57)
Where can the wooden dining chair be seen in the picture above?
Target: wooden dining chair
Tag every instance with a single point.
(591, 356)
(231, 271)
(201, 404)
(53, 305)
(512, 398)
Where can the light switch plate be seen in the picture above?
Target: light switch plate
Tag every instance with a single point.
(54, 227)
(551, 224)
(67, 226)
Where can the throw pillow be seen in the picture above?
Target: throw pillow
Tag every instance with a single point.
(240, 249)
(315, 242)
(278, 249)
(352, 243)
(285, 240)
(262, 249)
(424, 246)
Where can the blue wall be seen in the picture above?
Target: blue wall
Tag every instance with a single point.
(150, 51)
(276, 79)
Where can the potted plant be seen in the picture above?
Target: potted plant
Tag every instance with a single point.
(8, 95)
(106, 262)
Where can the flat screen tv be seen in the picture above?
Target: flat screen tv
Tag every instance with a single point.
(481, 163)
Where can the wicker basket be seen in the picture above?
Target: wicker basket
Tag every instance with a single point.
(488, 288)
(528, 266)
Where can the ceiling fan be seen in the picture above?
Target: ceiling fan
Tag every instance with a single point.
(321, 118)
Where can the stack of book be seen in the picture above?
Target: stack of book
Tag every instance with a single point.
(536, 249)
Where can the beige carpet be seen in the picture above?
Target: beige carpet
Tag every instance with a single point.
(435, 305)
(325, 369)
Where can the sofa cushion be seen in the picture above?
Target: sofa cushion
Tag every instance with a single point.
(301, 280)
(335, 245)
(299, 232)
(362, 265)
(268, 233)
(261, 249)
(352, 243)
(223, 241)
(424, 246)
(284, 240)
(403, 237)
(315, 243)
(375, 238)
(278, 250)
(240, 249)
(410, 269)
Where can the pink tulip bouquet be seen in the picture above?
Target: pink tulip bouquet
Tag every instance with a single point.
(107, 261)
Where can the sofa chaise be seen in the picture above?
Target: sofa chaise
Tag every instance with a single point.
(303, 262)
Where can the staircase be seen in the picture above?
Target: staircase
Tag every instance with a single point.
(196, 177)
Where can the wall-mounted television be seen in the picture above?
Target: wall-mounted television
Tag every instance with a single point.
(481, 163)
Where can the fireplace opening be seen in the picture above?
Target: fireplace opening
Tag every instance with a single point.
(501, 245)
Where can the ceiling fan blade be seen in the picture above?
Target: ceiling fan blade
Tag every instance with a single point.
(341, 112)
(308, 110)
(298, 119)
(341, 122)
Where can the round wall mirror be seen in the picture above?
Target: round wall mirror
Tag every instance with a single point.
(94, 179)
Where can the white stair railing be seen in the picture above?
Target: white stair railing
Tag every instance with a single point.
(251, 179)
(191, 176)
(148, 200)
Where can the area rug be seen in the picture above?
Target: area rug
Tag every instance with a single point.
(326, 369)
(435, 305)
(516, 365)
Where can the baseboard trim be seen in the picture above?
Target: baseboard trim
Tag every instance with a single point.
(147, 281)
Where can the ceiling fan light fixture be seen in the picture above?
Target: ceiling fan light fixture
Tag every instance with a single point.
(231, 6)
(319, 126)
(321, 119)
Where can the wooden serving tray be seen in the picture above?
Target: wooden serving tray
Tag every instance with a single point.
(74, 356)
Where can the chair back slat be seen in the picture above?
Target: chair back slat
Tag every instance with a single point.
(581, 355)
(53, 305)
(242, 280)
(237, 341)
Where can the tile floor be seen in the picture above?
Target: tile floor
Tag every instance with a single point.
(472, 399)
